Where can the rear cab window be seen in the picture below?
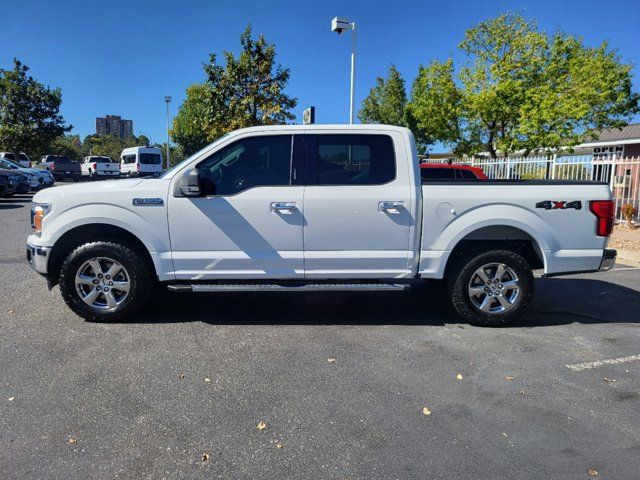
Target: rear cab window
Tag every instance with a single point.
(350, 159)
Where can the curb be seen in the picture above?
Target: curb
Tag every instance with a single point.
(628, 257)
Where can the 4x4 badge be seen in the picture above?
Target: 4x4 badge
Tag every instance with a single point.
(559, 205)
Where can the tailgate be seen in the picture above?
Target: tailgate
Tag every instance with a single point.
(108, 167)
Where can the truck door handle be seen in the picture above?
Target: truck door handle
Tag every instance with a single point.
(394, 208)
(284, 208)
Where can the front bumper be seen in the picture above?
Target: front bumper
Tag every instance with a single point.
(38, 258)
(608, 259)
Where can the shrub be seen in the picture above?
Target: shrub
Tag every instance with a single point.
(628, 211)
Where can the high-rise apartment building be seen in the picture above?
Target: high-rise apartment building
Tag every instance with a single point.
(114, 125)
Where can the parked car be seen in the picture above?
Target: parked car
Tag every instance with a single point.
(61, 167)
(7, 188)
(21, 182)
(141, 161)
(98, 166)
(37, 178)
(450, 171)
(315, 207)
(22, 159)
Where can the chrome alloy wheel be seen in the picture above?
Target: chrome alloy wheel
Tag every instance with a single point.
(102, 283)
(494, 288)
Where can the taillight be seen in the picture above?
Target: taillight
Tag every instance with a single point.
(52, 166)
(604, 210)
(95, 166)
(138, 167)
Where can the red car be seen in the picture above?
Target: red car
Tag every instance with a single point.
(450, 171)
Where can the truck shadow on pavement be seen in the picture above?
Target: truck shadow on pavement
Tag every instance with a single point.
(557, 302)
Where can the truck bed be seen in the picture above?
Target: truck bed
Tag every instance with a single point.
(513, 210)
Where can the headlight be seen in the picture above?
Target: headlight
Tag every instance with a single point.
(38, 212)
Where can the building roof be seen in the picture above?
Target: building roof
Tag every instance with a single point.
(625, 133)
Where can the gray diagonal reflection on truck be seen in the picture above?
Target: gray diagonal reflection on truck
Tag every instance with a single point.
(246, 237)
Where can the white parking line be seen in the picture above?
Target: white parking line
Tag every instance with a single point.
(576, 367)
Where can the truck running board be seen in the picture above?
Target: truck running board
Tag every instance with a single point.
(289, 287)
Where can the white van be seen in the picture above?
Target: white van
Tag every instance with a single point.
(140, 161)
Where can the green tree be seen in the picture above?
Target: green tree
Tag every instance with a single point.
(69, 145)
(190, 123)
(29, 111)
(387, 101)
(521, 89)
(248, 90)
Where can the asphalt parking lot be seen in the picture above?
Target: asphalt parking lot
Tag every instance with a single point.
(339, 381)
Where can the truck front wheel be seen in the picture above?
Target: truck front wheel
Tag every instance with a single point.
(491, 288)
(105, 281)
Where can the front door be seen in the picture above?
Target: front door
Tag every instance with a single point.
(248, 224)
(358, 205)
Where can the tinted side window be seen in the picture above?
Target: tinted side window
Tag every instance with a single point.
(129, 158)
(247, 163)
(150, 158)
(435, 173)
(467, 175)
(355, 159)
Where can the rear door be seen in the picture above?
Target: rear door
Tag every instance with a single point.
(358, 205)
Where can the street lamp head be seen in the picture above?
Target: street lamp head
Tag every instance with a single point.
(167, 99)
(340, 25)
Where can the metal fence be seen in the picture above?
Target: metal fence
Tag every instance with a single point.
(622, 174)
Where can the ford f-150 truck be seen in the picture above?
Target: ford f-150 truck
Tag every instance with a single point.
(316, 207)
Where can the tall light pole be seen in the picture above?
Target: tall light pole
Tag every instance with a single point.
(339, 25)
(167, 99)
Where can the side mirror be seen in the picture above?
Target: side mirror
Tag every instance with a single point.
(190, 184)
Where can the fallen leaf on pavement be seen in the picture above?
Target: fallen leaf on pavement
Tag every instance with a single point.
(609, 380)
(11, 399)
(505, 435)
(331, 360)
(278, 445)
(181, 376)
(521, 392)
(426, 411)
(593, 472)
(207, 380)
(262, 425)
(459, 376)
(205, 457)
(72, 441)
(10, 312)
(508, 378)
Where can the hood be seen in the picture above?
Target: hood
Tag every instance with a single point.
(109, 186)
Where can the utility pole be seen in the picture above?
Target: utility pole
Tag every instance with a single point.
(167, 100)
(339, 25)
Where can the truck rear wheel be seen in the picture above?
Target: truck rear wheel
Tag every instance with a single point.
(490, 288)
(105, 281)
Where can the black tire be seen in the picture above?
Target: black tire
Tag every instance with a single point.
(139, 271)
(460, 275)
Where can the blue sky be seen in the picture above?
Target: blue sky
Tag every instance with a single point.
(117, 57)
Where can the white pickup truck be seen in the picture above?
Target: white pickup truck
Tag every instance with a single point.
(99, 167)
(318, 207)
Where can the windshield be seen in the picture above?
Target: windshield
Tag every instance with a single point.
(188, 159)
(8, 165)
(100, 159)
(24, 157)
